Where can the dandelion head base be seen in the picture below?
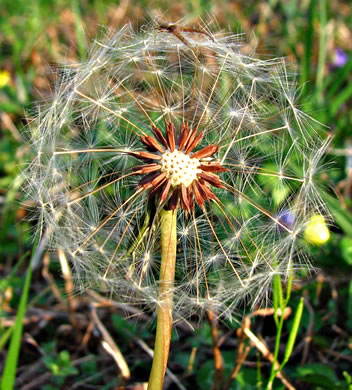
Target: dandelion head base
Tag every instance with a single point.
(175, 172)
(180, 168)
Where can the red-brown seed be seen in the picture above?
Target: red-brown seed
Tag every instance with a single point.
(165, 191)
(173, 202)
(206, 152)
(144, 169)
(170, 133)
(148, 178)
(159, 136)
(208, 192)
(152, 179)
(190, 197)
(184, 198)
(155, 191)
(158, 179)
(152, 143)
(184, 132)
(211, 178)
(213, 166)
(145, 155)
(195, 142)
(190, 138)
(200, 188)
(199, 198)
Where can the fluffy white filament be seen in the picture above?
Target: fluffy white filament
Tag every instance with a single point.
(83, 174)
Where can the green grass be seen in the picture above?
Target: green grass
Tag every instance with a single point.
(9, 373)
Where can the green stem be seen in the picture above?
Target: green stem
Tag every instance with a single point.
(279, 326)
(164, 314)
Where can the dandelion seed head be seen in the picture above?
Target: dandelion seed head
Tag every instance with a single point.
(198, 125)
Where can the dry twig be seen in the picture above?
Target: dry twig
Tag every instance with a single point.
(110, 346)
(261, 346)
(218, 360)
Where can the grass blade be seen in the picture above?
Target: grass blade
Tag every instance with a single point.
(340, 99)
(293, 333)
(323, 45)
(335, 80)
(9, 373)
(306, 62)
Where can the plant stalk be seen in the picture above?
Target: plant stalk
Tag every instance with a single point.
(165, 308)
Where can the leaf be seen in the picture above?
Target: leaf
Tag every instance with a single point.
(346, 249)
(205, 375)
(4, 337)
(340, 99)
(294, 330)
(349, 307)
(340, 77)
(342, 216)
(247, 379)
(319, 374)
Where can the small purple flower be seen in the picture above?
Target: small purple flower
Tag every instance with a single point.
(287, 218)
(340, 58)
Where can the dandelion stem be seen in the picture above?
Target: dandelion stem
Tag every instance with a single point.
(164, 314)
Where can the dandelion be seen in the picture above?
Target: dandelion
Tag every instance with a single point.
(157, 168)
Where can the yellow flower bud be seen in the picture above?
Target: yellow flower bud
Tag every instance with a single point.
(317, 231)
(5, 78)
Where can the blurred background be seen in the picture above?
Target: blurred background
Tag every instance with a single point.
(66, 342)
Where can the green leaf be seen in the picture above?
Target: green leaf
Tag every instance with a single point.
(294, 330)
(4, 337)
(349, 307)
(278, 299)
(346, 249)
(340, 77)
(247, 379)
(319, 374)
(340, 99)
(205, 375)
(342, 216)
